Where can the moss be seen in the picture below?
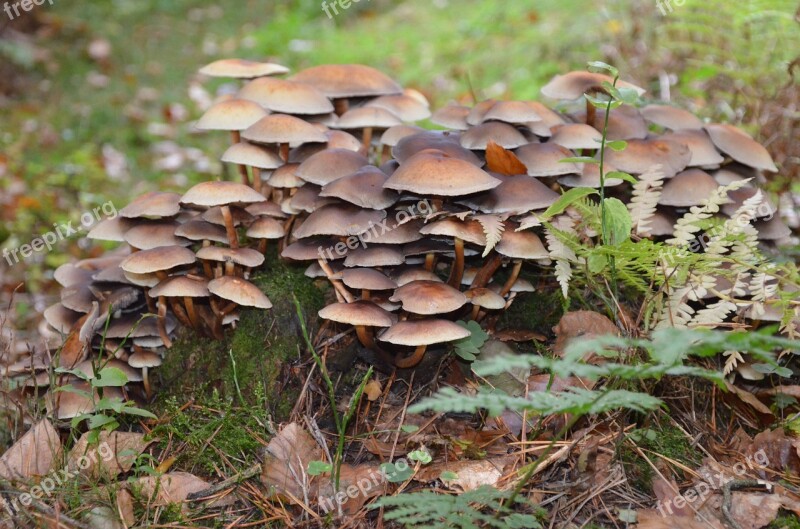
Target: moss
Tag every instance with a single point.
(666, 440)
(255, 358)
(785, 521)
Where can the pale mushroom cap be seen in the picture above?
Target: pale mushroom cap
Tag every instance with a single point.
(485, 298)
(445, 141)
(573, 85)
(368, 117)
(265, 208)
(437, 174)
(516, 195)
(282, 128)
(210, 194)
(153, 206)
(521, 245)
(423, 332)
(141, 359)
(241, 69)
(340, 220)
(641, 156)
(181, 286)
(408, 275)
(329, 165)
(374, 255)
(476, 113)
(307, 199)
(703, 152)
(365, 279)
(348, 80)
(544, 159)
(624, 123)
(288, 97)
(429, 297)
(157, 259)
(313, 249)
(406, 108)
(360, 313)
(244, 153)
(737, 197)
(364, 188)
(740, 146)
(661, 224)
(238, 215)
(452, 116)
(265, 228)
(137, 326)
(393, 135)
(239, 291)
(285, 177)
(576, 136)
(467, 230)
(241, 256)
(590, 177)
(397, 234)
(672, 118)
(61, 318)
(339, 139)
(231, 114)
(512, 112)
(773, 229)
(503, 134)
(154, 234)
(111, 229)
(200, 230)
(68, 275)
(689, 188)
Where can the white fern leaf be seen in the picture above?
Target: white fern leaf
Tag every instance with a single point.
(732, 361)
(644, 200)
(493, 228)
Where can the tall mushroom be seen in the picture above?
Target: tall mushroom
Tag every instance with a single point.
(223, 194)
(420, 334)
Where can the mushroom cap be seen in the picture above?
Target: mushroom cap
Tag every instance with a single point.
(374, 255)
(135, 325)
(239, 291)
(287, 97)
(689, 188)
(670, 117)
(662, 223)
(772, 229)
(365, 279)
(157, 259)
(307, 199)
(503, 134)
(70, 404)
(181, 287)
(437, 174)
(368, 117)
(429, 297)
(282, 128)
(265, 209)
(469, 230)
(244, 153)
(238, 215)
(398, 233)
(445, 141)
(68, 275)
(329, 165)
(737, 197)
(200, 230)
(476, 113)
(703, 152)
(516, 195)
(394, 134)
(521, 244)
(153, 206)
(423, 332)
(340, 220)
(265, 228)
(407, 275)
(512, 112)
(452, 116)
(339, 139)
(61, 318)
(406, 108)
(313, 249)
(590, 177)
(284, 177)
(359, 313)
(240, 256)
(544, 159)
(641, 155)
(141, 359)
(624, 123)
(112, 229)
(576, 136)
(737, 144)
(241, 69)
(734, 172)
(363, 188)
(348, 80)
(485, 298)
(154, 234)
(573, 85)
(231, 114)
(210, 194)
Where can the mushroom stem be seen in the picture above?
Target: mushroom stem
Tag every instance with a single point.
(367, 138)
(385, 154)
(206, 266)
(338, 285)
(365, 337)
(262, 246)
(512, 278)
(162, 322)
(411, 361)
(475, 310)
(227, 310)
(365, 294)
(146, 382)
(179, 312)
(231, 231)
(591, 113)
(189, 303)
(256, 179)
(284, 152)
(430, 261)
(457, 271)
(230, 268)
(487, 271)
(340, 105)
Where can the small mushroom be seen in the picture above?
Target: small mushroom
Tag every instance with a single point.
(420, 334)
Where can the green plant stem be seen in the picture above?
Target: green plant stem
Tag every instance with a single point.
(611, 260)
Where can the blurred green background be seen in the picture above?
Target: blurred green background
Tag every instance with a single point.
(97, 99)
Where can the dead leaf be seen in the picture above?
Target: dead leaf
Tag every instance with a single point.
(748, 398)
(373, 390)
(776, 449)
(753, 510)
(666, 491)
(173, 487)
(581, 324)
(124, 500)
(288, 455)
(519, 335)
(34, 454)
(470, 474)
(357, 484)
(651, 519)
(115, 453)
(503, 161)
(103, 518)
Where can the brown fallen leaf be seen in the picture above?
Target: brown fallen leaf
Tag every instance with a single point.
(124, 501)
(779, 451)
(373, 390)
(35, 454)
(470, 474)
(503, 161)
(581, 324)
(288, 454)
(666, 491)
(357, 484)
(753, 510)
(748, 398)
(652, 519)
(519, 335)
(173, 487)
(115, 453)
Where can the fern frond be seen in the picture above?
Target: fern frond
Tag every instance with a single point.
(644, 199)
(493, 228)
(688, 225)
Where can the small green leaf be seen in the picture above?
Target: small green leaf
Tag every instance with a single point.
(602, 67)
(130, 410)
(110, 377)
(628, 95)
(597, 262)
(617, 145)
(598, 102)
(448, 475)
(397, 473)
(74, 372)
(622, 176)
(468, 348)
(106, 404)
(98, 421)
(580, 159)
(618, 222)
(566, 200)
(315, 468)
(409, 428)
(423, 456)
